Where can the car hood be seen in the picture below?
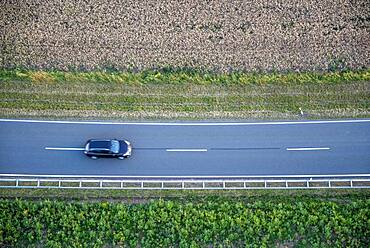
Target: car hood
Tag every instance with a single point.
(123, 147)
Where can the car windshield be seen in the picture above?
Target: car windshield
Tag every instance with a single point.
(114, 146)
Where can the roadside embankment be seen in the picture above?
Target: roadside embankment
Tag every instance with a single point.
(183, 95)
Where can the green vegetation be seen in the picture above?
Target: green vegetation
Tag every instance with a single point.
(183, 94)
(194, 195)
(164, 223)
(186, 75)
(184, 218)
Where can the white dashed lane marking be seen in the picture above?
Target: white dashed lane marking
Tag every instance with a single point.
(308, 149)
(65, 148)
(186, 150)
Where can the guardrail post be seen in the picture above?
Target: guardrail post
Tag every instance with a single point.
(286, 184)
(38, 183)
(142, 185)
(59, 183)
(244, 185)
(329, 184)
(121, 184)
(265, 184)
(307, 184)
(80, 184)
(351, 183)
(223, 184)
(16, 182)
(182, 185)
(162, 185)
(203, 185)
(101, 184)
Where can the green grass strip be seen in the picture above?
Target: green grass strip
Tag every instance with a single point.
(180, 76)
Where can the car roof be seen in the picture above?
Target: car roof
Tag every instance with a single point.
(100, 144)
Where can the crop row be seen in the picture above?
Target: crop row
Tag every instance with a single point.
(162, 223)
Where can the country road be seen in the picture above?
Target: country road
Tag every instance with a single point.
(337, 147)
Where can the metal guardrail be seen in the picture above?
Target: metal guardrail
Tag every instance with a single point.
(196, 184)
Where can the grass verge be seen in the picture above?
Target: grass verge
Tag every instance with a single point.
(183, 94)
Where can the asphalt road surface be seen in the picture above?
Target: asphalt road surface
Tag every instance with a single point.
(189, 149)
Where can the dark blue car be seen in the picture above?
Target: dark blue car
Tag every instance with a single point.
(108, 148)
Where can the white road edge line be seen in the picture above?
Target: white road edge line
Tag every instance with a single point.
(186, 176)
(190, 124)
(186, 150)
(308, 149)
(64, 148)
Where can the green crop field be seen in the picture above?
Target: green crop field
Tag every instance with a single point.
(188, 218)
(215, 222)
(183, 94)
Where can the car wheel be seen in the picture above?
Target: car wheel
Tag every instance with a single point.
(94, 157)
(121, 158)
